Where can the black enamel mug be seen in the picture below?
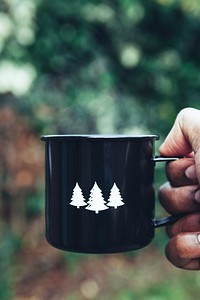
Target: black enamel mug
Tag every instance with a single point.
(100, 195)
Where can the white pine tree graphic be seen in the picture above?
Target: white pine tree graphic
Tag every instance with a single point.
(96, 200)
(115, 198)
(77, 197)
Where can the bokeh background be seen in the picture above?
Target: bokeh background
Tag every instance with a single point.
(88, 66)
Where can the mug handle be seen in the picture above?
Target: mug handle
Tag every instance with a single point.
(170, 219)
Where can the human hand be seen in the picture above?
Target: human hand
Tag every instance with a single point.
(181, 194)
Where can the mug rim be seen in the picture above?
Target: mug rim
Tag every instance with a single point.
(99, 137)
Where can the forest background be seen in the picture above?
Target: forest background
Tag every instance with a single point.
(83, 66)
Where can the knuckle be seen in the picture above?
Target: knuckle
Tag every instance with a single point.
(179, 247)
(184, 113)
(170, 171)
(163, 193)
(193, 221)
(175, 171)
(176, 250)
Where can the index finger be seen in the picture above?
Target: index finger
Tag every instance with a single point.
(179, 172)
(184, 136)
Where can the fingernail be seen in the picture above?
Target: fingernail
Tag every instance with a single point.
(190, 172)
(197, 196)
(198, 238)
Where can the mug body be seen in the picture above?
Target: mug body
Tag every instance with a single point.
(99, 192)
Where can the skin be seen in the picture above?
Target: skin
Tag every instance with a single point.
(181, 194)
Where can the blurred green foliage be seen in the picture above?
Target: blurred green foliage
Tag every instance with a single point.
(114, 66)
(88, 66)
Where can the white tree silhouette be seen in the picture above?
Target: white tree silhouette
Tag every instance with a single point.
(96, 201)
(77, 197)
(115, 198)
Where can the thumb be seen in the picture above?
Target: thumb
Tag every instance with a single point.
(184, 137)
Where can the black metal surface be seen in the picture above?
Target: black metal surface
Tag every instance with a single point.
(125, 162)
